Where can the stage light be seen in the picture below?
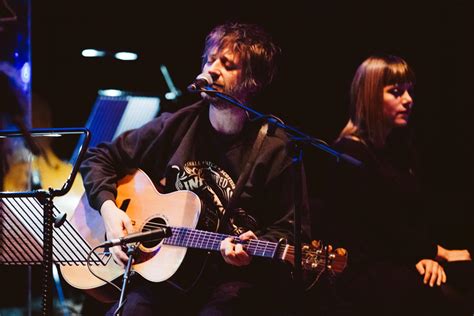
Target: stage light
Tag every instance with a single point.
(173, 93)
(93, 53)
(126, 56)
(170, 96)
(111, 92)
(26, 73)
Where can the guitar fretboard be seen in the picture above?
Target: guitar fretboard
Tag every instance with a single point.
(200, 239)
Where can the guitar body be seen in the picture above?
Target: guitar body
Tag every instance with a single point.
(146, 207)
(178, 259)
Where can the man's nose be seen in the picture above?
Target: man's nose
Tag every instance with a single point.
(214, 75)
(214, 69)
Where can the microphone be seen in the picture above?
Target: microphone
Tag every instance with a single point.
(149, 235)
(200, 82)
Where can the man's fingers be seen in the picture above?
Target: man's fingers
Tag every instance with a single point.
(239, 257)
(248, 235)
(227, 247)
(240, 252)
(234, 253)
(127, 223)
(238, 249)
(119, 256)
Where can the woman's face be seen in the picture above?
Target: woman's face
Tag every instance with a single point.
(397, 104)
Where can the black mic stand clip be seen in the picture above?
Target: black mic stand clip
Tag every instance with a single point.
(126, 278)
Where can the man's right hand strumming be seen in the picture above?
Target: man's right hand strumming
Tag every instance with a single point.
(117, 224)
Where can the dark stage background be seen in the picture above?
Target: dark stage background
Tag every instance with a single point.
(322, 45)
(323, 42)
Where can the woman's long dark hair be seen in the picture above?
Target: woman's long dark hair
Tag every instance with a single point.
(366, 94)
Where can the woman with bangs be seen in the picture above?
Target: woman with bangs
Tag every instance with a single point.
(393, 265)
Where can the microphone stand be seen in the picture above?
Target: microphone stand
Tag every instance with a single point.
(296, 135)
(298, 138)
(126, 279)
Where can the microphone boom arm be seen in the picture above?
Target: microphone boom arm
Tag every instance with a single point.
(295, 134)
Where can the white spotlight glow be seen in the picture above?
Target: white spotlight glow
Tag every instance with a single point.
(93, 53)
(111, 92)
(170, 96)
(126, 56)
(26, 73)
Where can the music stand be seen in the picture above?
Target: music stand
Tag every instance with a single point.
(20, 215)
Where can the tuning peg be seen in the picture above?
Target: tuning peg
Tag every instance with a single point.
(341, 251)
(316, 243)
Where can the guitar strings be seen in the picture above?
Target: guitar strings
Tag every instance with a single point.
(204, 238)
(212, 240)
(196, 237)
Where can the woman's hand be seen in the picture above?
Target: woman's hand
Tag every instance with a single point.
(117, 224)
(433, 272)
(452, 255)
(234, 253)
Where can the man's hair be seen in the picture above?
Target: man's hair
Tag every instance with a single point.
(366, 94)
(255, 47)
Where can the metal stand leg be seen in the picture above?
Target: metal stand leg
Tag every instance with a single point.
(47, 283)
(126, 279)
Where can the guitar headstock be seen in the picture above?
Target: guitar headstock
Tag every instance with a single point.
(318, 258)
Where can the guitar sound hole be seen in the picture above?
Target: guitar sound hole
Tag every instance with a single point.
(150, 225)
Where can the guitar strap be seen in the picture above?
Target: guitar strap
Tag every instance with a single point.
(244, 175)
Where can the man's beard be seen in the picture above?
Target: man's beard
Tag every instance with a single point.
(216, 101)
(234, 92)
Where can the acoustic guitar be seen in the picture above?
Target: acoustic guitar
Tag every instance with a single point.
(169, 259)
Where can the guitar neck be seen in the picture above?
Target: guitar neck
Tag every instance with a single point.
(200, 239)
